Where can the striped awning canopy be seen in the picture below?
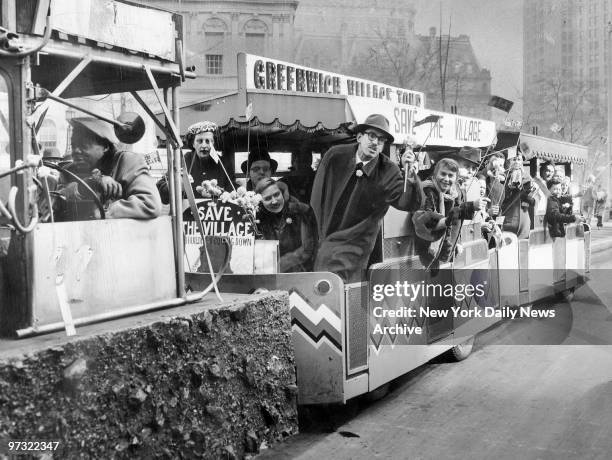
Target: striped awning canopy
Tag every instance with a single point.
(543, 148)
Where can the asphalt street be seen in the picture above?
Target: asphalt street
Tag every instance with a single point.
(532, 389)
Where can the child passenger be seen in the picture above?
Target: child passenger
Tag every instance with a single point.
(555, 218)
(441, 209)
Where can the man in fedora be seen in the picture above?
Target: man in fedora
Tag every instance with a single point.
(353, 189)
(259, 166)
(468, 159)
(120, 179)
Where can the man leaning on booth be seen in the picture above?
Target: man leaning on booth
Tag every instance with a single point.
(353, 189)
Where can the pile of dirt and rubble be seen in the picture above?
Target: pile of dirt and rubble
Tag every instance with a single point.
(216, 383)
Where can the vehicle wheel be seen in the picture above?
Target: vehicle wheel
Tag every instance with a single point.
(463, 350)
(378, 393)
(568, 294)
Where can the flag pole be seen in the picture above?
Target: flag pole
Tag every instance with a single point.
(433, 119)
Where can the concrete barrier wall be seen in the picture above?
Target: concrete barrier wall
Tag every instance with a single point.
(194, 381)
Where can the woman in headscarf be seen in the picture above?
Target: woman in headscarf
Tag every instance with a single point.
(291, 222)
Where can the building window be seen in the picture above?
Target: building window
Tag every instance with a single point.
(255, 33)
(255, 44)
(214, 64)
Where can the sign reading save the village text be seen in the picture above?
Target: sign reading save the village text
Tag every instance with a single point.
(221, 221)
(450, 130)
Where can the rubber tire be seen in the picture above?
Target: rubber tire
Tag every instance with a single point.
(378, 393)
(568, 294)
(462, 351)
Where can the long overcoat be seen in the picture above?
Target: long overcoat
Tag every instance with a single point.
(555, 219)
(296, 232)
(348, 228)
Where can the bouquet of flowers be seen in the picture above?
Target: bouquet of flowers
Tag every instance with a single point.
(210, 189)
(247, 200)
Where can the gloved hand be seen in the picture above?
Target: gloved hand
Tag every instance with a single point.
(108, 187)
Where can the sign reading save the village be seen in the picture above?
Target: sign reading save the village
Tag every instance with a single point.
(426, 127)
(221, 221)
(279, 76)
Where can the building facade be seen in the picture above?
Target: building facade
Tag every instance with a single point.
(217, 30)
(566, 67)
(467, 88)
(376, 40)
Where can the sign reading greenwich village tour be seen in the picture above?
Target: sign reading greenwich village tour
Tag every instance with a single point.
(220, 221)
(265, 74)
(404, 108)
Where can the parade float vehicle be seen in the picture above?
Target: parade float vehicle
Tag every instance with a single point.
(300, 111)
(79, 55)
(60, 275)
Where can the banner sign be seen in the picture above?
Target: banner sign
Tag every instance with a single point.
(501, 103)
(116, 23)
(427, 127)
(276, 76)
(219, 220)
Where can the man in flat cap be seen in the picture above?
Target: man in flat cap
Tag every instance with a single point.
(120, 179)
(353, 189)
(203, 161)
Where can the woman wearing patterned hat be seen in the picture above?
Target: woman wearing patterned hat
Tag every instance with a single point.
(201, 160)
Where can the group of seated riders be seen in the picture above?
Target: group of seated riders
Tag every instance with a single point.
(459, 187)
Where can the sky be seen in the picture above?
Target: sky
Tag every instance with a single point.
(495, 28)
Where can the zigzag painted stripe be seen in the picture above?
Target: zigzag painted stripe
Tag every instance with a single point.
(315, 330)
(315, 316)
(318, 341)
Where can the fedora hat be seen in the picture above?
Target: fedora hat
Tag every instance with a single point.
(259, 155)
(98, 127)
(376, 121)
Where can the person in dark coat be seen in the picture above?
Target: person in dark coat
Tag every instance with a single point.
(566, 199)
(301, 176)
(259, 166)
(517, 200)
(600, 204)
(201, 161)
(589, 195)
(121, 180)
(353, 189)
(291, 222)
(441, 209)
(547, 172)
(554, 218)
